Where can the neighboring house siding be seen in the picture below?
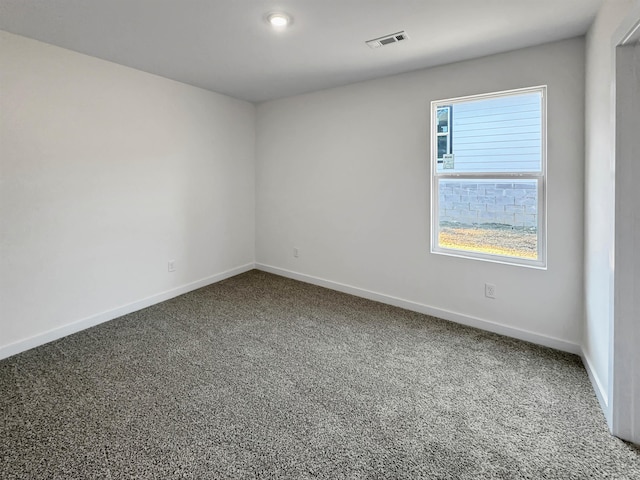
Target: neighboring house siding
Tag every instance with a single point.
(501, 134)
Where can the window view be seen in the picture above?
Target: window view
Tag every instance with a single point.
(488, 164)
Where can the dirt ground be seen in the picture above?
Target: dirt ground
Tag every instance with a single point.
(514, 243)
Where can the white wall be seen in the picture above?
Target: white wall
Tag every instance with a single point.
(343, 174)
(599, 193)
(107, 173)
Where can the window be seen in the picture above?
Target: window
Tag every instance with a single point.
(488, 164)
(443, 133)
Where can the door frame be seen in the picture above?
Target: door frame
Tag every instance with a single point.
(624, 333)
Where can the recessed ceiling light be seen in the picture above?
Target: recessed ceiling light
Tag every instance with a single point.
(279, 20)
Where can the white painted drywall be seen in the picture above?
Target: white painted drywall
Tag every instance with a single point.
(343, 175)
(599, 193)
(107, 173)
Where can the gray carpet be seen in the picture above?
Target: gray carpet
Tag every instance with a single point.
(264, 377)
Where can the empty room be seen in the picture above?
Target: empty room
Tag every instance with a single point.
(324, 239)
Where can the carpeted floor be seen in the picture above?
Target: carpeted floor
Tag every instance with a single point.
(264, 377)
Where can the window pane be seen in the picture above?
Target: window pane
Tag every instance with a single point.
(442, 145)
(500, 134)
(443, 119)
(489, 216)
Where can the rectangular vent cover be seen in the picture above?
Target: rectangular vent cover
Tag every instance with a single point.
(388, 39)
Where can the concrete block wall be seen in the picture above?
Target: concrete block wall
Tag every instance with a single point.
(472, 203)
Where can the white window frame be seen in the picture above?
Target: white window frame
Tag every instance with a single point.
(539, 176)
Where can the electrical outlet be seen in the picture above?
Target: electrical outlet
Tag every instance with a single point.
(489, 290)
(296, 252)
(171, 266)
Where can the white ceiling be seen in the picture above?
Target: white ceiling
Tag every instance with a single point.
(226, 45)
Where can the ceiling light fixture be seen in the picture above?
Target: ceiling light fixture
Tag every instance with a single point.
(279, 19)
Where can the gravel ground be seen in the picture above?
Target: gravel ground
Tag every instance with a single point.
(515, 243)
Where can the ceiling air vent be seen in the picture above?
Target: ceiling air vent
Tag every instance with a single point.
(388, 39)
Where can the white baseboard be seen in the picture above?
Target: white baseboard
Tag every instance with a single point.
(456, 317)
(63, 331)
(464, 319)
(601, 392)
